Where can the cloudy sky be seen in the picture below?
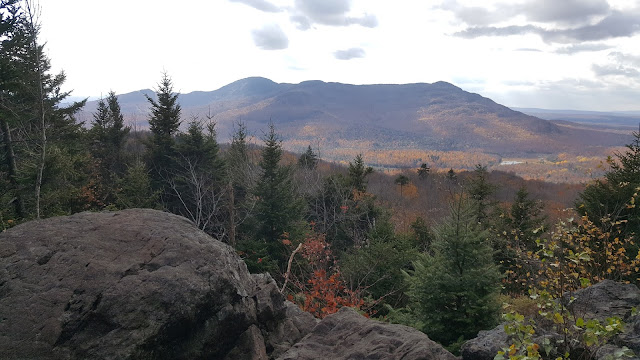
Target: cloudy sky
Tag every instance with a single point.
(557, 54)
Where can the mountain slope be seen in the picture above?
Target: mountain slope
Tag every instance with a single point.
(437, 116)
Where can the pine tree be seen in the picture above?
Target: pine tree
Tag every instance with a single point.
(117, 132)
(480, 191)
(401, 180)
(13, 41)
(308, 160)
(42, 144)
(164, 123)
(615, 197)
(358, 173)
(423, 235)
(454, 291)
(108, 135)
(199, 178)
(526, 220)
(451, 176)
(423, 171)
(516, 232)
(134, 189)
(241, 179)
(278, 207)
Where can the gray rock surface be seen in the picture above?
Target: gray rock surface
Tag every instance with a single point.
(600, 301)
(143, 284)
(486, 345)
(295, 326)
(349, 335)
(129, 285)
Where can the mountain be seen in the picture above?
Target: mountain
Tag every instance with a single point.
(438, 116)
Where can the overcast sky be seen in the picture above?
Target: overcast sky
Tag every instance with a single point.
(557, 54)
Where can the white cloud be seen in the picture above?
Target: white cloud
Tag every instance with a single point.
(348, 54)
(270, 37)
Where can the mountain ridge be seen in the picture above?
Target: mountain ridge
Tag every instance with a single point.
(439, 116)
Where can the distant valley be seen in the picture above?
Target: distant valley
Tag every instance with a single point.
(401, 126)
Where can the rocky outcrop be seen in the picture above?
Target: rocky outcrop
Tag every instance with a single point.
(486, 345)
(348, 335)
(143, 284)
(601, 301)
(129, 285)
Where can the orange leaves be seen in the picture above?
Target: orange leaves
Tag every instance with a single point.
(321, 290)
(328, 294)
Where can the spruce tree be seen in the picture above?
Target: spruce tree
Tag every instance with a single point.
(164, 123)
(358, 173)
(278, 208)
(108, 135)
(452, 176)
(615, 197)
(308, 160)
(198, 179)
(117, 132)
(42, 143)
(454, 291)
(516, 232)
(135, 189)
(401, 180)
(480, 191)
(423, 171)
(525, 219)
(241, 179)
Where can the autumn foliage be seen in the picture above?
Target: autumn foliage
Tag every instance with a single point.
(577, 254)
(318, 287)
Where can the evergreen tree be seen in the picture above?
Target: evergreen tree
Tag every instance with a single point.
(423, 235)
(377, 267)
(242, 176)
(609, 200)
(43, 146)
(454, 291)
(451, 175)
(526, 219)
(199, 178)
(13, 41)
(358, 173)
(423, 171)
(516, 232)
(278, 209)
(308, 160)
(238, 155)
(164, 123)
(401, 180)
(480, 192)
(135, 189)
(108, 135)
(117, 132)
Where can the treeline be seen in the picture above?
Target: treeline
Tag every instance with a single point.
(323, 235)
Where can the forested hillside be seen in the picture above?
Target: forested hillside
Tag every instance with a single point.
(437, 249)
(398, 126)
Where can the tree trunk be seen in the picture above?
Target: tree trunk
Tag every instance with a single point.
(18, 202)
(43, 133)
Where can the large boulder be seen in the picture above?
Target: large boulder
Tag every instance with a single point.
(134, 284)
(144, 284)
(349, 335)
(600, 301)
